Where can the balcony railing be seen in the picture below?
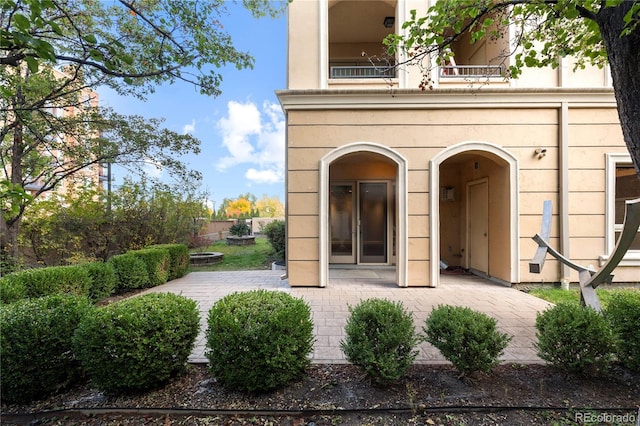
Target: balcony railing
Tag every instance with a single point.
(471, 71)
(361, 71)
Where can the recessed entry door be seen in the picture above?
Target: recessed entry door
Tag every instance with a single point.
(478, 225)
(359, 222)
(373, 221)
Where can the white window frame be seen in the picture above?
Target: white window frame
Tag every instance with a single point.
(632, 257)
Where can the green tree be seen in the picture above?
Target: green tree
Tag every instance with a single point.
(53, 52)
(591, 31)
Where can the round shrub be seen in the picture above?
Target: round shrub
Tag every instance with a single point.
(36, 358)
(468, 339)
(623, 313)
(275, 232)
(137, 344)
(258, 340)
(103, 279)
(131, 272)
(380, 339)
(574, 338)
(239, 229)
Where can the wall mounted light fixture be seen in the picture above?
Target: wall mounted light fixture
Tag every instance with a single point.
(389, 21)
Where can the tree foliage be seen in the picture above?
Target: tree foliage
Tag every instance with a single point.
(81, 227)
(269, 207)
(592, 32)
(54, 53)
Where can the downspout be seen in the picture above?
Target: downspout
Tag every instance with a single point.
(563, 189)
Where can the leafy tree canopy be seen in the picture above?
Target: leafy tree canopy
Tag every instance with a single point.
(590, 31)
(131, 46)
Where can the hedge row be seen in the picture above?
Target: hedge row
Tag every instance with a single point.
(47, 344)
(135, 269)
(260, 340)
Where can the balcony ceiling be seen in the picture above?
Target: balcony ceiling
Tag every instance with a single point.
(353, 21)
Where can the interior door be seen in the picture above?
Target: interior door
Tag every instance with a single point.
(343, 225)
(478, 225)
(373, 228)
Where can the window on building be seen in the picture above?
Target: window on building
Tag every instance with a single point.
(622, 184)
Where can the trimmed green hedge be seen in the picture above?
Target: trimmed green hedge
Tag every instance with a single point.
(38, 282)
(12, 288)
(138, 344)
(258, 340)
(103, 280)
(178, 259)
(36, 358)
(156, 261)
(380, 339)
(131, 272)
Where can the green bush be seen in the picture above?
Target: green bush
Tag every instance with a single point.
(275, 232)
(467, 338)
(178, 259)
(623, 313)
(380, 339)
(157, 263)
(131, 272)
(574, 339)
(36, 358)
(103, 280)
(258, 340)
(137, 344)
(40, 282)
(239, 229)
(12, 288)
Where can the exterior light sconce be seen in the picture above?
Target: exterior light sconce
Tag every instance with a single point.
(540, 152)
(389, 21)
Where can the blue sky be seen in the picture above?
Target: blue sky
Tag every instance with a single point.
(242, 130)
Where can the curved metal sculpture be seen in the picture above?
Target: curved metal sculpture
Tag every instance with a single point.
(589, 278)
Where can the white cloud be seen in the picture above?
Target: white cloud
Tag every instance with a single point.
(264, 176)
(254, 137)
(189, 128)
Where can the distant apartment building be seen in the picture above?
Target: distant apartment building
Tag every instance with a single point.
(381, 173)
(93, 176)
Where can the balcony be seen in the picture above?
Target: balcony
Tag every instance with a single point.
(470, 71)
(360, 71)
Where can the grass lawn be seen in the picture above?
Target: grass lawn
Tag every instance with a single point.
(239, 258)
(557, 295)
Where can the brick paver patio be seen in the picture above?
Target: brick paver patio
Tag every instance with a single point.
(514, 310)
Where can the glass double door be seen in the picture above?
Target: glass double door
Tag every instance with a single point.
(361, 219)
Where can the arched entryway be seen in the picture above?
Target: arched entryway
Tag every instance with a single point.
(363, 209)
(474, 211)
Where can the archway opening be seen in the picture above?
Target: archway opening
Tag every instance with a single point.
(474, 201)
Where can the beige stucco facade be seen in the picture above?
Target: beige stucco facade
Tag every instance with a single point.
(380, 173)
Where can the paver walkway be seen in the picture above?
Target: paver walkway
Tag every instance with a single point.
(514, 310)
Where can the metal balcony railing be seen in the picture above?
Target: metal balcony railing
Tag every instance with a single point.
(473, 71)
(361, 71)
